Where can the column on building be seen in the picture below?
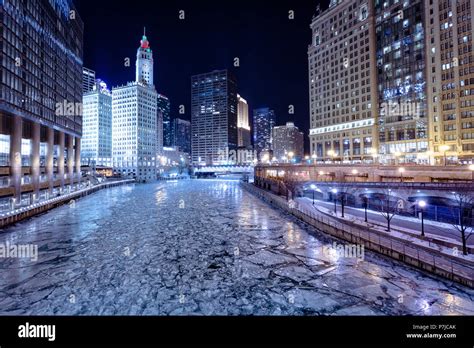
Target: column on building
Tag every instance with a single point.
(61, 159)
(35, 159)
(49, 158)
(15, 157)
(77, 158)
(70, 159)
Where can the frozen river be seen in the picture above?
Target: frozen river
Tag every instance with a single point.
(202, 247)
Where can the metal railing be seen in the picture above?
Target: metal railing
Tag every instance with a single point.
(422, 254)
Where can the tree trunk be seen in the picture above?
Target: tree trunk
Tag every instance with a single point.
(464, 243)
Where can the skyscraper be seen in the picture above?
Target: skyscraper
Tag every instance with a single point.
(159, 131)
(450, 67)
(243, 126)
(343, 82)
(401, 68)
(164, 107)
(288, 143)
(264, 120)
(134, 121)
(88, 80)
(181, 135)
(40, 99)
(97, 126)
(213, 117)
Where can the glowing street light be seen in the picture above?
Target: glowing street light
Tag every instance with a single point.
(313, 187)
(365, 201)
(334, 191)
(422, 205)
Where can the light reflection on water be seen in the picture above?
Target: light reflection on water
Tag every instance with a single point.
(183, 238)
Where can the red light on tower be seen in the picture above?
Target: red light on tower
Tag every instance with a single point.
(144, 41)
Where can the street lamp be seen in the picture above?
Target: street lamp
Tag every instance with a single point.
(314, 157)
(365, 201)
(313, 187)
(334, 191)
(401, 170)
(443, 149)
(422, 205)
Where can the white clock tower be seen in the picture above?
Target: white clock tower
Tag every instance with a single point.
(144, 63)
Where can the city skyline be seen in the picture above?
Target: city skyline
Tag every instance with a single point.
(264, 38)
(152, 163)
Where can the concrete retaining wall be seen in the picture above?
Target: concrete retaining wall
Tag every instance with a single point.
(446, 266)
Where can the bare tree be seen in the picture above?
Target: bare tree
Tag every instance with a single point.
(293, 188)
(463, 222)
(342, 191)
(387, 204)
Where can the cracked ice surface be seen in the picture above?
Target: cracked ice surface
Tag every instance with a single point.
(137, 250)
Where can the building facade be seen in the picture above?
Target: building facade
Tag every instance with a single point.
(264, 120)
(134, 121)
(288, 143)
(40, 99)
(401, 68)
(88, 80)
(159, 130)
(213, 117)
(450, 82)
(342, 82)
(97, 126)
(164, 106)
(243, 126)
(181, 135)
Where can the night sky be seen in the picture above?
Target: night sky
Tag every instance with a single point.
(272, 49)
